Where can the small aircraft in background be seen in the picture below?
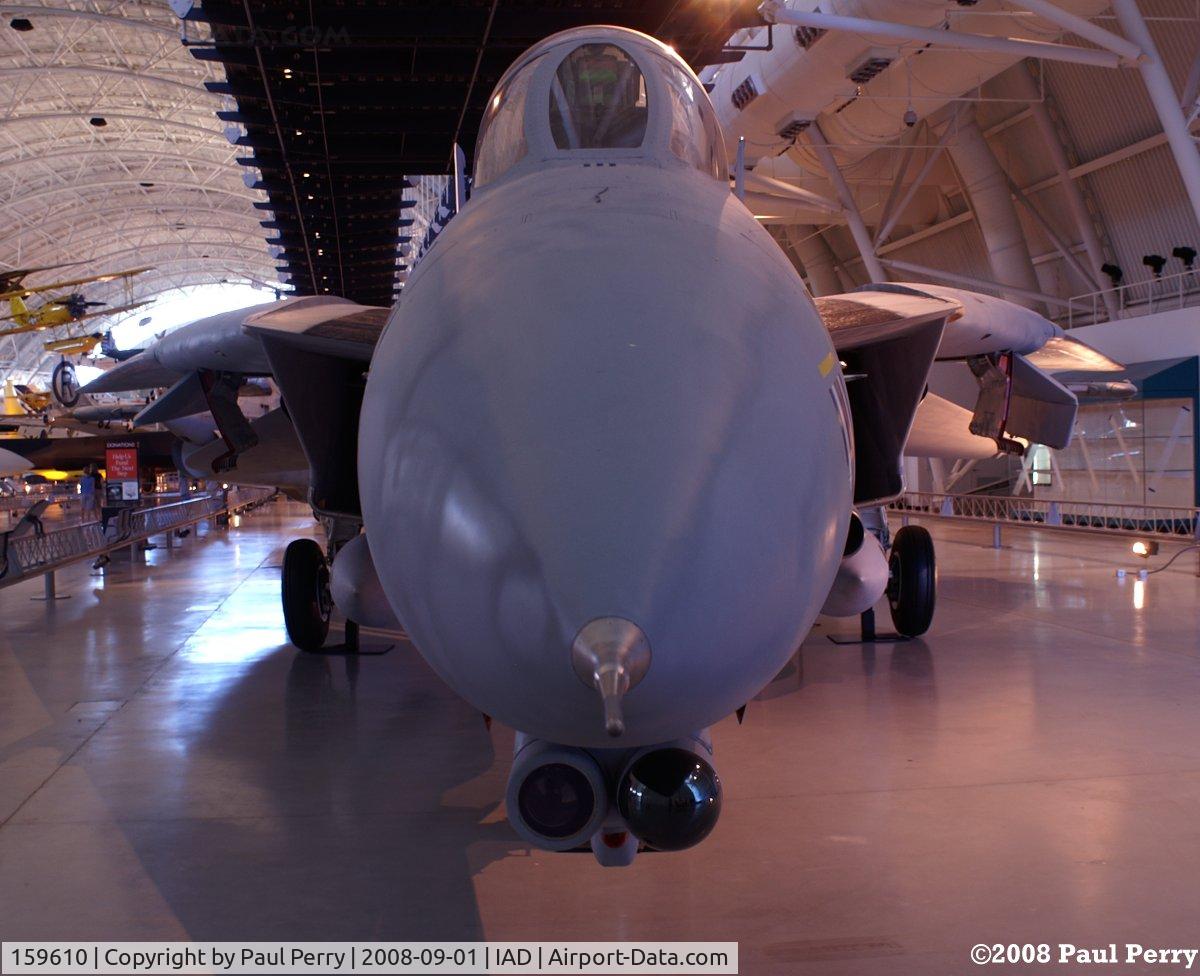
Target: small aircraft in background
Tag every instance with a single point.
(85, 343)
(77, 345)
(23, 401)
(57, 311)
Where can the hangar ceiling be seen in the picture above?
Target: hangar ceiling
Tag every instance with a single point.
(111, 153)
(262, 140)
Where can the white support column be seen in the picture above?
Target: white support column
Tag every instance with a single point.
(1183, 422)
(896, 212)
(1084, 224)
(937, 468)
(908, 152)
(820, 264)
(1089, 280)
(774, 12)
(1084, 28)
(987, 186)
(1129, 461)
(854, 221)
(1162, 94)
(1081, 440)
(960, 472)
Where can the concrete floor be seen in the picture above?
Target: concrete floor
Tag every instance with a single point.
(1030, 772)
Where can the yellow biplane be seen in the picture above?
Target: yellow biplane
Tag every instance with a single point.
(79, 345)
(54, 312)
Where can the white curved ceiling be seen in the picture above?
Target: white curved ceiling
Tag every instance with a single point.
(157, 184)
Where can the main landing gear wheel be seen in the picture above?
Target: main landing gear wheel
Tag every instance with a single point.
(912, 580)
(307, 604)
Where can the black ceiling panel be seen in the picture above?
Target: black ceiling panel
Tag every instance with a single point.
(340, 100)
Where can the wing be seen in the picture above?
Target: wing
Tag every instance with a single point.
(232, 342)
(982, 325)
(11, 280)
(315, 347)
(55, 286)
(73, 344)
(888, 337)
(111, 311)
(942, 429)
(21, 329)
(348, 336)
(1063, 354)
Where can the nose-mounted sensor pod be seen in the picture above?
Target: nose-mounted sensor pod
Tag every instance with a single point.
(556, 796)
(670, 796)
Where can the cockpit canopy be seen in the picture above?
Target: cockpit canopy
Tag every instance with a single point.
(602, 93)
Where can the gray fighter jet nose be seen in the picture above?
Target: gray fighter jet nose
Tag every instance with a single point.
(611, 655)
(604, 477)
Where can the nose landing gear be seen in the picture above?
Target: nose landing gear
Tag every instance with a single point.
(912, 580)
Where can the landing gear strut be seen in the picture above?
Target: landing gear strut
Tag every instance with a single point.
(307, 604)
(912, 580)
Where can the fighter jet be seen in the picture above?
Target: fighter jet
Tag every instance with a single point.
(608, 460)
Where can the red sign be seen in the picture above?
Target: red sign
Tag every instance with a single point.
(121, 461)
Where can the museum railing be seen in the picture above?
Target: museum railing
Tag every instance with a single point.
(28, 550)
(1181, 523)
(1134, 299)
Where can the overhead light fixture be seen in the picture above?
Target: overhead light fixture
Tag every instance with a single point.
(1145, 548)
(99, 121)
(1113, 273)
(305, 175)
(1155, 262)
(21, 24)
(1185, 254)
(299, 133)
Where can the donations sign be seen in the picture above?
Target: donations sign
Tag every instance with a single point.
(121, 467)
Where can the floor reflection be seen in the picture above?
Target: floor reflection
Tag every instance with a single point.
(315, 781)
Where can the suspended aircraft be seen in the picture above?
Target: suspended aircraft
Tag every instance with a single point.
(77, 345)
(606, 460)
(57, 311)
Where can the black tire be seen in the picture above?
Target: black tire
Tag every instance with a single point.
(306, 602)
(912, 581)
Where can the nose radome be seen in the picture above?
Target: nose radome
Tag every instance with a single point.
(611, 655)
